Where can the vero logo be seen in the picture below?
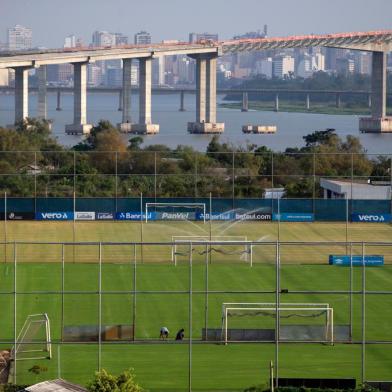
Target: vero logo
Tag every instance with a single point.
(371, 218)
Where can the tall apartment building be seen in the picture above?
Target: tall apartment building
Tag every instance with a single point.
(142, 38)
(103, 39)
(120, 39)
(19, 38)
(283, 66)
(70, 41)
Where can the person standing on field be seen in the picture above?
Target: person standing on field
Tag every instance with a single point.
(164, 333)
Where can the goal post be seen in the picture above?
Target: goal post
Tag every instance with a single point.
(293, 315)
(177, 211)
(34, 339)
(224, 244)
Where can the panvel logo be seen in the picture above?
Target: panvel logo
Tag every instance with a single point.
(175, 215)
(371, 218)
(55, 215)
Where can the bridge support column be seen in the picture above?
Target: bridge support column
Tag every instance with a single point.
(307, 101)
(276, 103)
(182, 101)
(205, 97)
(245, 102)
(145, 125)
(79, 126)
(378, 122)
(42, 100)
(58, 107)
(338, 100)
(120, 99)
(125, 98)
(21, 93)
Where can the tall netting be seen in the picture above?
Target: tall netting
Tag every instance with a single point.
(268, 322)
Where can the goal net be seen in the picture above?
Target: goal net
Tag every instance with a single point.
(288, 322)
(233, 247)
(33, 341)
(176, 211)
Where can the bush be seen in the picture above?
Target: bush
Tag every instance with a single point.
(105, 382)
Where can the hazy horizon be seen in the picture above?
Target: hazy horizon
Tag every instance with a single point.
(52, 20)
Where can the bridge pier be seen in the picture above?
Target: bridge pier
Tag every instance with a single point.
(120, 99)
(205, 97)
(125, 98)
(79, 125)
(58, 107)
(338, 100)
(276, 109)
(245, 102)
(182, 102)
(145, 125)
(378, 122)
(42, 98)
(307, 102)
(21, 93)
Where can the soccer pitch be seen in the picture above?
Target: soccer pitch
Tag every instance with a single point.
(163, 299)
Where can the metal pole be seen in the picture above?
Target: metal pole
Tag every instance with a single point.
(134, 293)
(15, 333)
(272, 376)
(232, 180)
(206, 298)
(5, 227)
(314, 183)
(347, 225)
(351, 292)
(100, 307)
(155, 176)
(210, 220)
(272, 169)
(62, 290)
(141, 226)
(277, 297)
(278, 218)
(74, 227)
(196, 163)
(35, 181)
(58, 362)
(190, 318)
(116, 181)
(363, 370)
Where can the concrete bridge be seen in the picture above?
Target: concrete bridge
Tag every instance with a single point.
(205, 53)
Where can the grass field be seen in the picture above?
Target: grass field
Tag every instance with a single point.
(164, 367)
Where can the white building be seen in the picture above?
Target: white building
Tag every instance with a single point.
(142, 38)
(104, 39)
(319, 62)
(70, 41)
(283, 66)
(264, 67)
(94, 74)
(19, 38)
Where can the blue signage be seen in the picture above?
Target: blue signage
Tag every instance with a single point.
(134, 216)
(54, 215)
(370, 260)
(371, 218)
(293, 217)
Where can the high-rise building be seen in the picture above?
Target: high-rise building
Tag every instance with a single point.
(264, 67)
(283, 66)
(195, 37)
(70, 41)
(142, 38)
(114, 77)
(103, 39)
(363, 63)
(121, 39)
(19, 38)
(94, 74)
(345, 66)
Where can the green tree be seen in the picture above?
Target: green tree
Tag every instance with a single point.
(106, 382)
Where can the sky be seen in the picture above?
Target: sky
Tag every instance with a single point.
(52, 20)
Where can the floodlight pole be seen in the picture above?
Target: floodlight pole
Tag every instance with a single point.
(363, 369)
(100, 307)
(134, 294)
(190, 319)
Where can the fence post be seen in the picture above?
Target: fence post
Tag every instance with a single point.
(363, 368)
(100, 307)
(134, 294)
(190, 319)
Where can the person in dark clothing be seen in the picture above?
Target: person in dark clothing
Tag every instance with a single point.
(180, 334)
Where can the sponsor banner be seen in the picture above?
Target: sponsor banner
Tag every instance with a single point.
(177, 216)
(18, 216)
(134, 216)
(54, 215)
(84, 215)
(371, 218)
(370, 260)
(253, 216)
(293, 217)
(223, 216)
(105, 216)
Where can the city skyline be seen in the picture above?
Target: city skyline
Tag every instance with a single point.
(130, 17)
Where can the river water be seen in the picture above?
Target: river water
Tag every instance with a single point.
(291, 126)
